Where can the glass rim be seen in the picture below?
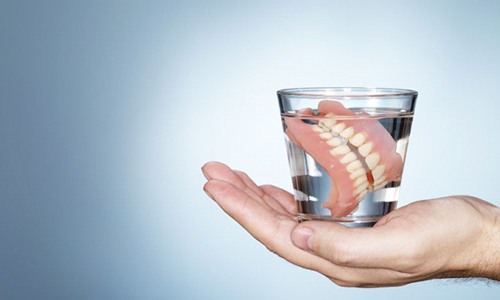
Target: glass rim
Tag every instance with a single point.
(351, 92)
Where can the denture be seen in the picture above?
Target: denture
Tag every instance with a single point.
(358, 154)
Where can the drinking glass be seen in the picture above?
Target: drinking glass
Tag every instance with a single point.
(346, 150)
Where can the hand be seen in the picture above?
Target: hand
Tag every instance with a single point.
(447, 237)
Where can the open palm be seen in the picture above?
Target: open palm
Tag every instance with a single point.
(446, 237)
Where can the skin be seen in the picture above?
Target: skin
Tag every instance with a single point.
(450, 237)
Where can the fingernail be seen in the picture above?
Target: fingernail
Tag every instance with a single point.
(301, 237)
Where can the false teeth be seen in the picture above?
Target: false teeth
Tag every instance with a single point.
(347, 133)
(340, 150)
(372, 160)
(358, 139)
(365, 149)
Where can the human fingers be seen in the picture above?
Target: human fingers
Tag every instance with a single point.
(283, 197)
(271, 229)
(376, 247)
(220, 171)
(239, 179)
(262, 223)
(236, 203)
(339, 264)
(251, 185)
(260, 195)
(418, 241)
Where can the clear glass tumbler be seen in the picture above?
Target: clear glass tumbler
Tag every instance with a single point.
(346, 149)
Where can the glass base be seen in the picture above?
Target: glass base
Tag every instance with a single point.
(349, 221)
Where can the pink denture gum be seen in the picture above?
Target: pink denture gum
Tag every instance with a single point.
(358, 153)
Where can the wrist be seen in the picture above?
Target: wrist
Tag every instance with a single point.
(489, 265)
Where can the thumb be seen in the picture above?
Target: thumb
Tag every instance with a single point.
(317, 237)
(353, 247)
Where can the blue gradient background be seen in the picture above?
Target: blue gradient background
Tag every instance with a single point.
(109, 109)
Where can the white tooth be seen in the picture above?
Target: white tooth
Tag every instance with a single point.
(328, 122)
(372, 160)
(334, 142)
(338, 128)
(378, 171)
(362, 195)
(347, 133)
(326, 135)
(349, 157)
(317, 128)
(365, 149)
(358, 139)
(379, 180)
(360, 188)
(324, 127)
(360, 180)
(380, 185)
(357, 173)
(340, 150)
(354, 166)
